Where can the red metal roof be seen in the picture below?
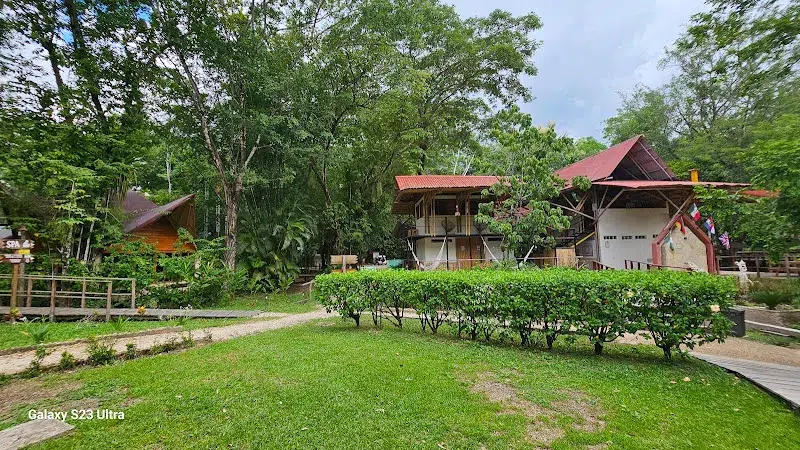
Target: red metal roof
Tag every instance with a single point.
(410, 182)
(601, 165)
(135, 202)
(145, 218)
(665, 184)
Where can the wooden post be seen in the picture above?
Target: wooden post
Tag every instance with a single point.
(786, 263)
(30, 290)
(133, 293)
(14, 284)
(83, 293)
(108, 301)
(758, 263)
(52, 299)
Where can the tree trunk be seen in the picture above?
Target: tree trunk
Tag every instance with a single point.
(233, 193)
(598, 348)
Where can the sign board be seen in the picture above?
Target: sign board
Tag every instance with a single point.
(339, 260)
(16, 258)
(16, 244)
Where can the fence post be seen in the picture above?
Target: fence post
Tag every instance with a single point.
(29, 296)
(108, 301)
(52, 299)
(758, 263)
(786, 263)
(12, 302)
(133, 293)
(83, 293)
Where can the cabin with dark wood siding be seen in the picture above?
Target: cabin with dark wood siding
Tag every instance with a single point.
(158, 225)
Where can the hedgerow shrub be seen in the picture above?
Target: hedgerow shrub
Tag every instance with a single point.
(674, 308)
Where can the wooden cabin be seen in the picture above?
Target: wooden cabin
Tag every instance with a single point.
(158, 224)
(444, 233)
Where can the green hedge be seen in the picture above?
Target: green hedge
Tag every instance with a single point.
(674, 308)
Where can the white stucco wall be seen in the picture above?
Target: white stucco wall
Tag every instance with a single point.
(688, 250)
(618, 229)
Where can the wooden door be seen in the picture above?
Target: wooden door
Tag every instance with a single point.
(463, 252)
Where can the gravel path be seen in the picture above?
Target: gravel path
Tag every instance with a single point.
(752, 351)
(18, 362)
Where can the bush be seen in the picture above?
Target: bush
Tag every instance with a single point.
(67, 361)
(675, 308)
(774, 292)
(100, 354)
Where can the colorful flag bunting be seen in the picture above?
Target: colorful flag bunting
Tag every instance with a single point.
(726, 240)
(710, 225)
(694, 212)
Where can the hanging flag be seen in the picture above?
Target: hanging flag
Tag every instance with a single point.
(726, 240)
(671, 243)
(683, 224)
(694, 212)
(678, 225)
(710, 225)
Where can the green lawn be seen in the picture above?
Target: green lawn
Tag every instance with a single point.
(329, 385)
(14, 335)
(281, 302)
(773, 339)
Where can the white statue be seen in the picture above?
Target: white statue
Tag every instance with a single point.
(744, 280)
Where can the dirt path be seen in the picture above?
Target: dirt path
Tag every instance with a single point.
(18, 362)
(752, 351)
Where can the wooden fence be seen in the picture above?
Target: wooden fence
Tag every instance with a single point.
(63, 291)
(759, 262)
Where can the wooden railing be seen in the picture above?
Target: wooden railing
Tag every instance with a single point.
(458, 264)
(760, 262)
(62, 291)
(639, 265)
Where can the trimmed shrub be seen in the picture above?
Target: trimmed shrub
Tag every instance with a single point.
(675, 308)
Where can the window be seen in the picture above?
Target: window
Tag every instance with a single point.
(609, 237)
(641, 236)
(627, 238)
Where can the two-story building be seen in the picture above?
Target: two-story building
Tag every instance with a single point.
(444, 233)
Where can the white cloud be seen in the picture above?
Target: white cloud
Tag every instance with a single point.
(591, 51)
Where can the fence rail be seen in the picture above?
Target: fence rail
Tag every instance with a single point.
(640, 265)
(458, 264)
(760, 262)
(62, 290)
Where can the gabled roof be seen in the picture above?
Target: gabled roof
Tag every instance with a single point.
(414, 182)
(667, 184)
(134, 203)
(642, 163)
(141, 219)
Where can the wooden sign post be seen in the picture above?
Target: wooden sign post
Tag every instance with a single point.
(21, 256)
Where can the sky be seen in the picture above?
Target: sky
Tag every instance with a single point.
(592, 50)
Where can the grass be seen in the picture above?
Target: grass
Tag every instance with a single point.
(12, 336)
(773, 339)
(280, 302)
(329, 385)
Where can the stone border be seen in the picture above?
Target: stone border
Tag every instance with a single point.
(153, 331)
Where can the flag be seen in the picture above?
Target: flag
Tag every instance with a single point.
(710, 225)
(694, 212)
(670, 242)
(683, 224)
(726, 240)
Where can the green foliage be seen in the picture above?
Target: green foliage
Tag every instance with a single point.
(119, 323)
(130, 351)
(34, 369)
(130, 259)
(198, 279)
(67, 361)
(37, 330)
(523, 214)
(675, 308)
(100, 353)
(775, 292)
